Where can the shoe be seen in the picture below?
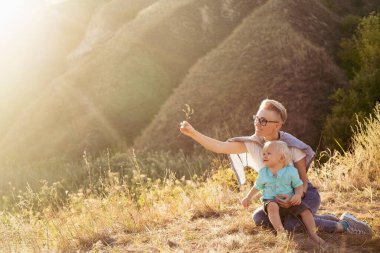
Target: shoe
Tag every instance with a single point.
(356, 226)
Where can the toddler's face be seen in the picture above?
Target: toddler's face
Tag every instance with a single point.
(271, 156)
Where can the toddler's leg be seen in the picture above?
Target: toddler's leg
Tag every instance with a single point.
(261, 218)
(308, 220)
(274, 216)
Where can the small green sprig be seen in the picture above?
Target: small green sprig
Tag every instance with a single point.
(188, 113)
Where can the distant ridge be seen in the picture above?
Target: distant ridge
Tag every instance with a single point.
(280, 51)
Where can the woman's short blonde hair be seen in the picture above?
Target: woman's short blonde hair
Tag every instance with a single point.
(275, 106)
(282, 148)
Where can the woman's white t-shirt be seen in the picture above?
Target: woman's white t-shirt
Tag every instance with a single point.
(256, 151)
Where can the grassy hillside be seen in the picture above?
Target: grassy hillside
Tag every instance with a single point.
(111, 94)
(139, 214)
(280, 51)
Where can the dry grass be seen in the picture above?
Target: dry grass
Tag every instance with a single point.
(89, 220)
(173, 217)
(198, 215)
(358, 170)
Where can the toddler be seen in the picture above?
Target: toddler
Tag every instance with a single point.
(278, 177)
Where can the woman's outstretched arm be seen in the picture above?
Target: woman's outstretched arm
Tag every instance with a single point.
(210, 143)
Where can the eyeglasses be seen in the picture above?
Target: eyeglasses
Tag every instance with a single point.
(262, 121)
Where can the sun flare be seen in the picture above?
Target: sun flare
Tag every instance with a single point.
(10, 10)
(13, 15)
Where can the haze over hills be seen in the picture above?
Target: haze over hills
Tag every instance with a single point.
(34, 48)
(114, 90)
(116, 73)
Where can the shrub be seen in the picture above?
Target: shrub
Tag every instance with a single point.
(360, 56)
(349, 24)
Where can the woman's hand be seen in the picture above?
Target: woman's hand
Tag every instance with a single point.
(283, 200)
(210, 143)
(186, 128)
(295, 200)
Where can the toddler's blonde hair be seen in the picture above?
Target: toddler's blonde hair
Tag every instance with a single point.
(275, 106)
(282, 148)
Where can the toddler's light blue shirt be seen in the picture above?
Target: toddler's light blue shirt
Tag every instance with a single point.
(284, 183)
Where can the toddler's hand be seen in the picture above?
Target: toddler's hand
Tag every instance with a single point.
(295, 200)
(283, 200)
(246, 202)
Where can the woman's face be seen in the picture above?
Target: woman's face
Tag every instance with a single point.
(270, 123)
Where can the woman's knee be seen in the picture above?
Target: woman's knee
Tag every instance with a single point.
(312, 198)
(260, 217)
(293, 224)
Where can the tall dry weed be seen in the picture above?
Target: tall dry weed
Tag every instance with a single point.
(359, 167)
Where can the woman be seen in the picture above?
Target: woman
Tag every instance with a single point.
(268, 122)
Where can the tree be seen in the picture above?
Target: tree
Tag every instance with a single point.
(360, 57)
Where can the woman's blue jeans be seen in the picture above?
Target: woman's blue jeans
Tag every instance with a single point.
(313, 200)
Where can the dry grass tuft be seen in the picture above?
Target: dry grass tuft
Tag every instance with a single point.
(358, 169)
(205, 212)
